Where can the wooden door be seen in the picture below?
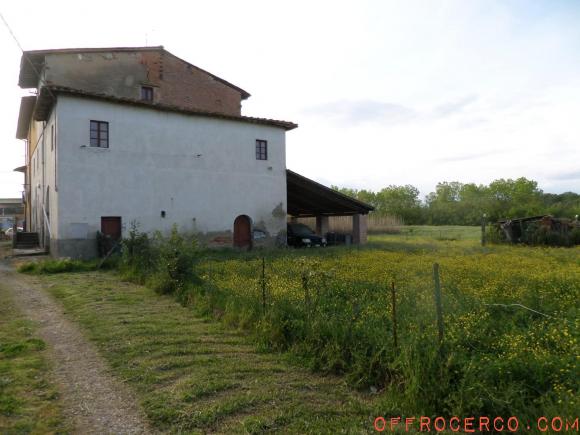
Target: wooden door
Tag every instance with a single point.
(111, 227)
(242, 232)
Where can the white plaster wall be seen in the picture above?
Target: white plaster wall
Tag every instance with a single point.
(202, 171)
(43, 175)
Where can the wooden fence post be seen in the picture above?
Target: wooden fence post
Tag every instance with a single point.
(264, 284)
(394, 313)
(438, 304)
(483, 218)
(306, 292)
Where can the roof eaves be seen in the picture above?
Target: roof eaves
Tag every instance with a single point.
(45, 101)
(328, 189)
(25, 116)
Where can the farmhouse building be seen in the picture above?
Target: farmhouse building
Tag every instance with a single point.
(121, 135)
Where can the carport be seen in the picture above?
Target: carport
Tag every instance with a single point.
(307, 198)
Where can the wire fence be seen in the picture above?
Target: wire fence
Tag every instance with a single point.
(426, 302)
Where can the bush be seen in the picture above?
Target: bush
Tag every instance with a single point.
(137, 255)
(164, 263)
(575, 236)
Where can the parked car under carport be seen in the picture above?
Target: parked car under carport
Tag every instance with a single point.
(301, 236)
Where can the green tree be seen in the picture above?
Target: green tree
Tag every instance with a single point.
(400, 201)
(514, 198)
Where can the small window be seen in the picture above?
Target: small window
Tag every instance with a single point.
(100, 134)
(261, 149)
(146, 93)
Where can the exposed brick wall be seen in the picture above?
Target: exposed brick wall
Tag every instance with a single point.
(123, 73)
(186, 86)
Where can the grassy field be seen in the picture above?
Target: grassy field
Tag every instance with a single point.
(440, 233)
(28, 401)
(194, 375)
(510, 346)
(510, 316)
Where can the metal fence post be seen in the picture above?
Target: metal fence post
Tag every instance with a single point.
(438, 304)
(264, 284)
(394, 313)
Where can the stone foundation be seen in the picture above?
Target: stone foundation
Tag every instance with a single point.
(83, 249)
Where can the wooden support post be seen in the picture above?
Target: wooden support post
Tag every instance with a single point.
(438, 304)
(322, 225)
(394, 313)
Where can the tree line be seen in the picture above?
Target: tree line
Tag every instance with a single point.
(455, 203)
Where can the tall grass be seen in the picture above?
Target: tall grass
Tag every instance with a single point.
(332, 309)
(60, 265)
(164, 263)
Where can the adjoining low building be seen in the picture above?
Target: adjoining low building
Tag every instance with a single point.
(11, 213)
(121, 135)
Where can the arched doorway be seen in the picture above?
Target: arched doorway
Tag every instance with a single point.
(243, 232)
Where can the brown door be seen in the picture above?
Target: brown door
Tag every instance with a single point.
(111, 227)
(242, 232)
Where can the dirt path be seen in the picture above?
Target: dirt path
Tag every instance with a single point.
(94, 401)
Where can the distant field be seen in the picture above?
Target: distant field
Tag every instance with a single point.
(442, 232)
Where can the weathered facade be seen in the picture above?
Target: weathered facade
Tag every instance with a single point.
(122, 135)
(122, 72)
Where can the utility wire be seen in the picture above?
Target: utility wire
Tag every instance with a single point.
(11, 32)
(32, 65)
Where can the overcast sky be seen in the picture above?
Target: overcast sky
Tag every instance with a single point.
(384, 92)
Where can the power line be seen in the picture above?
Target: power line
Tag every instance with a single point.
(32, 65)
(11, 32)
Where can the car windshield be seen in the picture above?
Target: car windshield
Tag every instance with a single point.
(301, 230)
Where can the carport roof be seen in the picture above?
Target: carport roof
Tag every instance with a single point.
(307, 198)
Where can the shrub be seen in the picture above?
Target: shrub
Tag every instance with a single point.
(164, 263)
(137, 255)
(575, 236)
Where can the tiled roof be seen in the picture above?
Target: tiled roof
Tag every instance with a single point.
(45, 102)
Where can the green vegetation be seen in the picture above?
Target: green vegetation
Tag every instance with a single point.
(333, 308)
(192, 375)
(28, 401)
(57, 266)
(165, 264)
(455, 203)
(510, 318)
(433, 232)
